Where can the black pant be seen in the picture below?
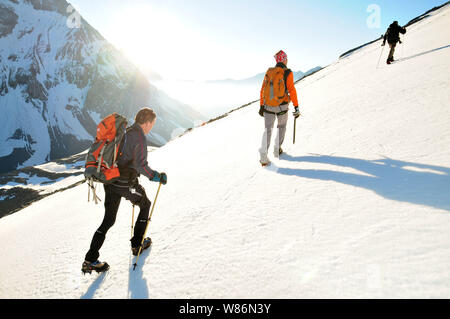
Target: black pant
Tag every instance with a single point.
(113, 194)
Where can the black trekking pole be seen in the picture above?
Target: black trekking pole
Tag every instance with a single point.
(148, 222)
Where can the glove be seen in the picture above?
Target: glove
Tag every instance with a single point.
(163, 178)
(160, 177)
(261, 110)
(296, 113)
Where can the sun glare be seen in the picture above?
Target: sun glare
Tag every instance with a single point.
(156, 39)
(147, 35)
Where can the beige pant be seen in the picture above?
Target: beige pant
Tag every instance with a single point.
(391, 53)
(269, 121)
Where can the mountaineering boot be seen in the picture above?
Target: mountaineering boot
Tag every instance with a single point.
(98, 266)
(264, 160)
(146, 244)
(278, 152)
(265, 163)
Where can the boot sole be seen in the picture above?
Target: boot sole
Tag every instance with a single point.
(98, 270)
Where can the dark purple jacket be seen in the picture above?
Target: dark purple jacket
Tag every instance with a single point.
(132, 160)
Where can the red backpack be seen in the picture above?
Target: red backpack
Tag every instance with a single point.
(101, 159)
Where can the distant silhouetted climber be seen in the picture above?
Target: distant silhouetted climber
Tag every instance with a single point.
(392, 36)
(276, 92)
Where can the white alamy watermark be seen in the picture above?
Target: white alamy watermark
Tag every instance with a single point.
(74, 19)
(374, 20)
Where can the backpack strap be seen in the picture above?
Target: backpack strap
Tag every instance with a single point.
(124, 140)
(122, 144)
(286, 74)
(91, 186)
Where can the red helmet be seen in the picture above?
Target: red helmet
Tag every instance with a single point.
(280, 56)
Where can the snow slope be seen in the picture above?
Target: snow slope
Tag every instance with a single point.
(359, 207)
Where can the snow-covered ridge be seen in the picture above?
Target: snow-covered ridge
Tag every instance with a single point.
(412, 21)
(258, 79)
(22, 187)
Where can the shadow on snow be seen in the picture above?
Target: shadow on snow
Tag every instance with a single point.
(89, 294)
(137, 285)
(397, 180)
(422, 53)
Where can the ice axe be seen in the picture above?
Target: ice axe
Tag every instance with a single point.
(148, 222)
(295, 124)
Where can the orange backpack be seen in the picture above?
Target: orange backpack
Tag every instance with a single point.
(101, 159)
(274, 87)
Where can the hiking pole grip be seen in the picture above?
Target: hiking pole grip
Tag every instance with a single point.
(148, 222)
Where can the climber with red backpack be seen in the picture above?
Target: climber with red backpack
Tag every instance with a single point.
(116, 159)
(277, 92)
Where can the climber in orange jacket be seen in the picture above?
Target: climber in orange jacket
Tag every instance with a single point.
(277, 92)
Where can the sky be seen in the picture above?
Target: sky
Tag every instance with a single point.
(210, 39)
